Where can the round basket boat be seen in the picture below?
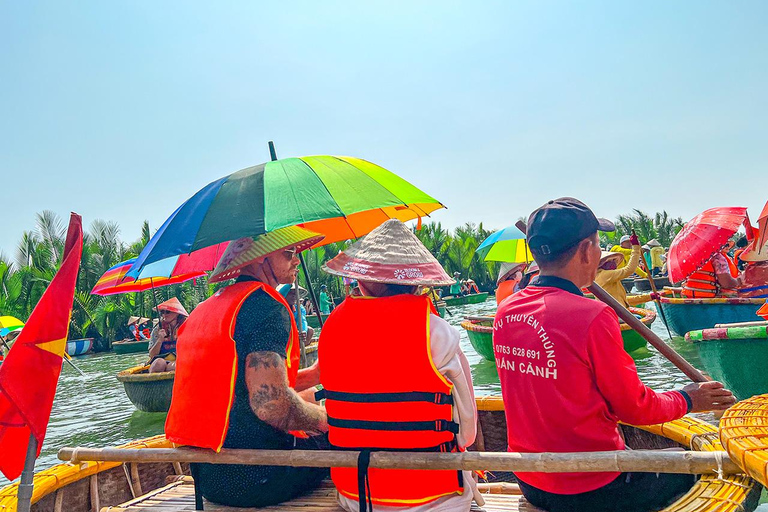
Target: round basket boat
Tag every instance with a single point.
(684, 315)
(149, 392)
(744, 434)
(79, 347)
(632, 339)
(472, 298)
(130, 346)
(162, 485)
(734, 356)
(480, 334)
(643, 285)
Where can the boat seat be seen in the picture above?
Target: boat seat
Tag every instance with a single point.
(180, 496)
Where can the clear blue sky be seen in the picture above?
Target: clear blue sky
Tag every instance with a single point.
(122, 110)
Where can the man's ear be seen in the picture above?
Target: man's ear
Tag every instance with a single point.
(585, 247)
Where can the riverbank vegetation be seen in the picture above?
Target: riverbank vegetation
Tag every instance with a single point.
(25, 275)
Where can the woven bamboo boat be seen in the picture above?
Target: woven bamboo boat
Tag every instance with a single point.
(684, 315)
(79, 347)
(632, 339)
(643, 285)
(154, 487)
(628, 284)
(472, 298)
(480, 334)
(734, 356)
(130, 346)
(149, 392)
(744, 434)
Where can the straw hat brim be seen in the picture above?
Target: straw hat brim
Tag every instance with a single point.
(752, 255)
(606, 256)
(653, 243)
(173, 305)
(390, 254)
(509, 268)
(244, 251)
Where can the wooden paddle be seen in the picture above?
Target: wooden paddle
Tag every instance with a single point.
(650, 336)
(657, 300)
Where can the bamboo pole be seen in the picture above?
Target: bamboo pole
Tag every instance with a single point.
(27, 483)
(653, 461)
(635, 323)
(647, 270)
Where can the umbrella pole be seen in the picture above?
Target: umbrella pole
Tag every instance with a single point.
(650, 336)
(311, 290)
(302, 339)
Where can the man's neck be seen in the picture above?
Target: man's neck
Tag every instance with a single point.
(569, 274)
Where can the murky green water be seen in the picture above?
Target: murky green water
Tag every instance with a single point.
(94, 411)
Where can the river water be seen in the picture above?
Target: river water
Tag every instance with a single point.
(94, 410)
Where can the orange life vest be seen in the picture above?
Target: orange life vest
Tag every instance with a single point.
(702, 283)
(370, 409)
(206, 367)
(505, 289)
(732, 266)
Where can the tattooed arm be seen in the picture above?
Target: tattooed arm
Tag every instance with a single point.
(273, 401)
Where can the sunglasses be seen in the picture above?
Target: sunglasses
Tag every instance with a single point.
(290, 253)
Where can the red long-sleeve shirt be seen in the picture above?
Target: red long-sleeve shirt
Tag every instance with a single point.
(566, 380)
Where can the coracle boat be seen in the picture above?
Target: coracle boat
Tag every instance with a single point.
(632, 339)
(472, 298)
(744, 435)
(480, 332)
(130, 346)
(628, 284)
(734, 356)
(79, 347)
(149, 392)
(163, 486)
(643, 285)
(440, 306)
(685, 315)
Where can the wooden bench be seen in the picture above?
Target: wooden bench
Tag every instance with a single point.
(180, 496)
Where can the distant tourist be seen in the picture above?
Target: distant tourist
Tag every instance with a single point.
(456, 286)
(162, 342)
(326, 304)
(567, 381)
(609, 275)
(625, 249)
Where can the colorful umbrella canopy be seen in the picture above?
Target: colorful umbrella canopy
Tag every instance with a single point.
(702, 237)
(340, 197)
(10, 322)
(507, 245)
(176, 269)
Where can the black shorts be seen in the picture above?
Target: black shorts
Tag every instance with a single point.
(629, 492)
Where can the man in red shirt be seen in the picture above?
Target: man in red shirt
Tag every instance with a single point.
(566, 379)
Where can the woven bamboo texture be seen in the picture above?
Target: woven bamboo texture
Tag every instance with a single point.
(179, 496)
(647, 316)
(744, 434)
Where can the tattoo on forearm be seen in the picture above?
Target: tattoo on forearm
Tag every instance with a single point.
(273, 401)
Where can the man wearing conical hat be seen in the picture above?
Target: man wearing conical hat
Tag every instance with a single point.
(237, 378)
(162, 341)
(429, 406)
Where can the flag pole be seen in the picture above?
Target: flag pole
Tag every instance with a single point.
(26, 484)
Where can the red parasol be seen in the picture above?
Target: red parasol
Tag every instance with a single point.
(702, 237)
(762, 228)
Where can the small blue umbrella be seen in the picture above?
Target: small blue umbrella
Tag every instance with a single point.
(506, 245)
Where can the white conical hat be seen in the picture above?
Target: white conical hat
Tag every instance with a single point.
(390, 254)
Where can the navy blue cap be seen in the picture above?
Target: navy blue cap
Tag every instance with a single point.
(560, 224)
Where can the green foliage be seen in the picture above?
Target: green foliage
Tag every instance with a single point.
(661, 227)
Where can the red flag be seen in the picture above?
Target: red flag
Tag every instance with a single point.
(30, 372)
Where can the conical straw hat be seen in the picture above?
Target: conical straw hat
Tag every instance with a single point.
(509, 268)
(244, 251)
(606, 256)
(173, 305)
(390, 254)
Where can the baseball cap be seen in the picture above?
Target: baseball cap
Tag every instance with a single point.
(560, 224)
(625, 238)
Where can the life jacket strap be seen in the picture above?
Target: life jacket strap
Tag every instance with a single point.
(446, 447)
(408, 396)
(398, 426)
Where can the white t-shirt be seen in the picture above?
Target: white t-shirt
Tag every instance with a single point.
(453, 365)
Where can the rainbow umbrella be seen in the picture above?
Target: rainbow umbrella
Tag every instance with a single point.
(506, 245)
(341, 197)
(176, 269)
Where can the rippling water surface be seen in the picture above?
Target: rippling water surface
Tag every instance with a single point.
(94, 411)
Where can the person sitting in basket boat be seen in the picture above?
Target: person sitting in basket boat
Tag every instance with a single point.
(361, 371)
(238, 383)
(609, 275)
(718, 277)
(289, 292)
(510, 275)
(162, 341)
(566, 380)
(138, 328)
(456, 288)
